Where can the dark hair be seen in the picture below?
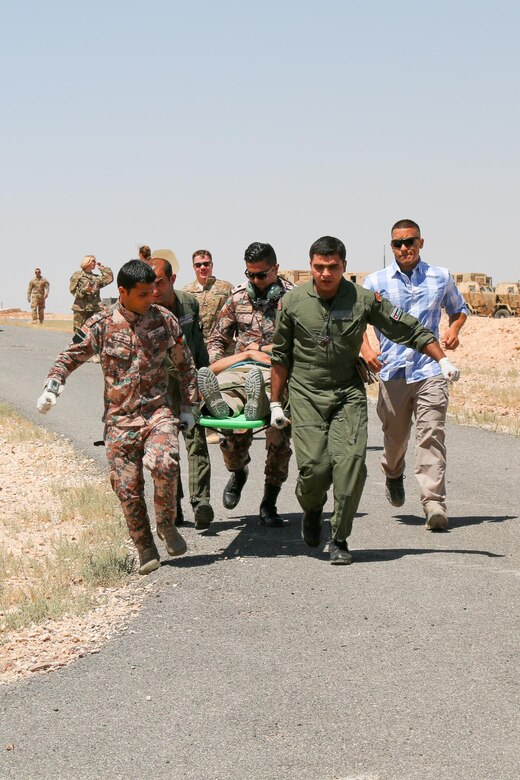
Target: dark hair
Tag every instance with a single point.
(201, 253)
(133, 272)
(402, 224)
(145, 251)
(328, 246)
(260, 253)
(168, 270)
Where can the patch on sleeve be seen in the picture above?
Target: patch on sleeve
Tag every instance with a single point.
(78, 337)
(396, 313)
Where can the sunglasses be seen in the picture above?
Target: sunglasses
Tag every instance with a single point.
(204, 264)
(408, 242)
(258, 274)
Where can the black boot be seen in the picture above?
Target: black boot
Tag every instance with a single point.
(311, 527)
(268, 513)
(233, 489)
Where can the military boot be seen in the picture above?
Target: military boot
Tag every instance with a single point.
(204, 514)
(257, 402)
(268, 512)
(233, 489)
(311, 527)
(148, 559)
(339, 553)
(172, 539)
(179, 520)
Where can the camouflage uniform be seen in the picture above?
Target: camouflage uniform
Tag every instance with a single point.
(37, 292)
(241, 320)
(140, 427)
(186, 309)
(85, 287)
(210, 298)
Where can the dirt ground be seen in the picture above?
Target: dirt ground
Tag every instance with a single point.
(488, 394)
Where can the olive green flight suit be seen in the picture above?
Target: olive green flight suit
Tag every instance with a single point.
(318, 342)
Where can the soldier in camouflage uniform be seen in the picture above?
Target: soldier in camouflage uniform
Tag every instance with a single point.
(247, 320)
(37, 293)
(133, 340)
(211, 293)
(85, 286)
(185, 307)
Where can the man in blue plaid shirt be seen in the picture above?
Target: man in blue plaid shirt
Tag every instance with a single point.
(412, 385)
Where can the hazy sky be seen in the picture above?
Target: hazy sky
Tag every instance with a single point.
(214, 124)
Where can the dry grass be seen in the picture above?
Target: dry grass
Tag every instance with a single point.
(66, 541)
(56, 325)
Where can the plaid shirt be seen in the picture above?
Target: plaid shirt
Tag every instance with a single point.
(429, 289)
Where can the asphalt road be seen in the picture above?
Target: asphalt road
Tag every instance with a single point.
(257, 659)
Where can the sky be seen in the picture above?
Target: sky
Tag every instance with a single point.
(218, 123)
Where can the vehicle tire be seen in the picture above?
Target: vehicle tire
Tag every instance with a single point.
(501, 313)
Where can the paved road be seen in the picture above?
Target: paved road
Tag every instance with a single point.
(256, 659)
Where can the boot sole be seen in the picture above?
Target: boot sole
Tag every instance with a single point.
(149, 567)
(255, 387)
(207, 383)
(437, 522)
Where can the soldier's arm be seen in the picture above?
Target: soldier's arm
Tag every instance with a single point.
(106, 277)
(29, 289)
(83, 346)
(73, 284)
(371, 355)
(47, 288)
(200, 351)
(223, 331)
(399, 326)
(183, 366)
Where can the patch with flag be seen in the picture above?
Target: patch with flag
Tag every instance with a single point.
(396, 313)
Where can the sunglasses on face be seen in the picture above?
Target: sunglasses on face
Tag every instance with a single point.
(202, 264)
(257, 274)
(408, 242)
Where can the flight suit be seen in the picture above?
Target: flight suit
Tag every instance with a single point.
(318, 342)
(186, 309)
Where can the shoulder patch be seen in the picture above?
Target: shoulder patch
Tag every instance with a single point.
(238, 288)
(78, 337)
(396, 313)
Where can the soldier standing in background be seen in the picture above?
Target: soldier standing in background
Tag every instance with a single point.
(85, 286)
(185, 307)
(145, 253)
(37, 293)
(211, 293)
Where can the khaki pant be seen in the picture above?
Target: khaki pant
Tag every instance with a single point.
(426, 401)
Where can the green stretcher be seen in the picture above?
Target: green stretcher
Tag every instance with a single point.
(230, 423)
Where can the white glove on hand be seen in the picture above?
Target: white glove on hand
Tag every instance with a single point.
(46, 401)
(278, 418)
(186, 419)
(48, 398)
(450, 372)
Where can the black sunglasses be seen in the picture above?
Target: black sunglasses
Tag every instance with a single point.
(204, 264)
(258, 274)
(408, 242)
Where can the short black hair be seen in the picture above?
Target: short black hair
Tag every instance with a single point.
(404, 224)
(259, 253)
(328, 246)
(133, 272)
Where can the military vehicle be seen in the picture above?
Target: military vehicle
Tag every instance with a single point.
(483, 300)
(508, 296)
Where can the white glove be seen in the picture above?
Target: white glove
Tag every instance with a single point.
(450, 372)
(48, 398)
(46, 401)
(278, 418)
(186, 419)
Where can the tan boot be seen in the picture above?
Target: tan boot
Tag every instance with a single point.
(174, 542)
(148, 559)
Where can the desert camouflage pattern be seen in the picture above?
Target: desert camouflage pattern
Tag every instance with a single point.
(210, 298)
(36, 293)
(241, 323)
(156, 442)
(132, 351)
(85, 287)
(235, 449)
